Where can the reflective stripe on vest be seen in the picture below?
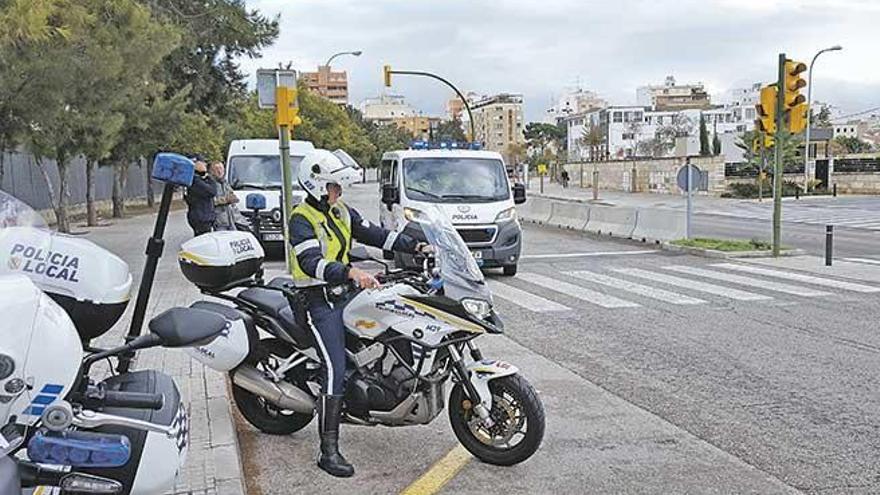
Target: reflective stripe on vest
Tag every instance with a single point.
(333, 233)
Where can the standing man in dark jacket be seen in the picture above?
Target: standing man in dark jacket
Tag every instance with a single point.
(199, 198)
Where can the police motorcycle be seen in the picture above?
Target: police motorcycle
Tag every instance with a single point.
(405, 342)
(59, 428)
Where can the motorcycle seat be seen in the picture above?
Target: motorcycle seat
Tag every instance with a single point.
(275, 305)
(184, 327)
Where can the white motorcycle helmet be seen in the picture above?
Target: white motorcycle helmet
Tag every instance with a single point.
(320, 168)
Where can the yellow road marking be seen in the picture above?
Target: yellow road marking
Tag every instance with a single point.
(440, 473)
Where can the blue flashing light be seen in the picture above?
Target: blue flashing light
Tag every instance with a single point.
(255, 201)
(174, 169)
(445, 145)
(80, 449)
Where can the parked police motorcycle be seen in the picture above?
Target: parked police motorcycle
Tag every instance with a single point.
(405, 341)
(125, 434)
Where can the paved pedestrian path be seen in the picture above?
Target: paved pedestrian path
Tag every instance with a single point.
(213, 465)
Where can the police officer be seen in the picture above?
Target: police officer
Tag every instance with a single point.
(321, 231)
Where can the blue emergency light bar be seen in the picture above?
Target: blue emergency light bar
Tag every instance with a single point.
(174, 169)
(445, 145)
(255, 201)
(79, 449)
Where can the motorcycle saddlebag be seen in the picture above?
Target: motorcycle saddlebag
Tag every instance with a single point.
(217, 259)
(155, 458)
(233, 345)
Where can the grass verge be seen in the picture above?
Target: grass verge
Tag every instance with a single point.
(726, 245)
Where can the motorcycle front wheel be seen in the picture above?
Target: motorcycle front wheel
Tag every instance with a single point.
(259, 412)
(518, 422)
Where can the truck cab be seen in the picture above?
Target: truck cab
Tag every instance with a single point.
(470, 186)
(254, 166)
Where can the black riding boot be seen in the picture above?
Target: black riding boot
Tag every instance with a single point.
(329, 410)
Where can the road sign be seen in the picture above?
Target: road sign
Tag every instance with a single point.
(682, 181)
(542, 169)
(268, 80)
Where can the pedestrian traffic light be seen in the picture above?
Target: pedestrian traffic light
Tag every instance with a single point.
(793, 83)
(766, 107)
(387, 73)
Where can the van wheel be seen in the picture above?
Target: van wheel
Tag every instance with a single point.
(387, 255)
(509, 270)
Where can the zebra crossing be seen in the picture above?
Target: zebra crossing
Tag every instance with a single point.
(854, 218)
(623, 288)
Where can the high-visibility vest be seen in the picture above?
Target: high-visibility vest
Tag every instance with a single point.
(333, 233)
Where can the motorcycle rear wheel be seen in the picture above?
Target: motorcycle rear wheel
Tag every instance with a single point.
(514, 405)
(263, 415)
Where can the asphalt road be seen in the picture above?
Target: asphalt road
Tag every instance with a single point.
(660, 373)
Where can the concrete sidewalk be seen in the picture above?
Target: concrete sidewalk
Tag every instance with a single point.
(213, 465)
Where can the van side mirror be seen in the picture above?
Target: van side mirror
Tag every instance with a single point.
(390, 194)
(519, 194)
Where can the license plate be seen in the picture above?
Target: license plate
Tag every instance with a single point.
(273, 237)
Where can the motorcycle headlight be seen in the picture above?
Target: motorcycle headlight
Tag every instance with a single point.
(412, 214)
(505, 215)
(477, 307)
(7, 366)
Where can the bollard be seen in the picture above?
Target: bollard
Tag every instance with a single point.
(797, 192)
(829, 243)
(834, 189)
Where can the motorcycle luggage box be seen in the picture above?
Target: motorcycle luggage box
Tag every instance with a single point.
(233, 346)
(155, 458)
(92, 284)
(218, 259)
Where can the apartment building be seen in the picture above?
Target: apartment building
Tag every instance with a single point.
(498, 122)
(328, 83)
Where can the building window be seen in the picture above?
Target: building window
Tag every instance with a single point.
(628, 135)
(617, 117)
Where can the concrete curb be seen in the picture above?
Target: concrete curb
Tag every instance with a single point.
(713, 253)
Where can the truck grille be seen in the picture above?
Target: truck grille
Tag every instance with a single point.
(478, 235)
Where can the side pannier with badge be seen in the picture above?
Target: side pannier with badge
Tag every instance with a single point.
(219, 259)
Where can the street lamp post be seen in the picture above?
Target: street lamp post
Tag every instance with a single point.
(809, 111)
(356, 53)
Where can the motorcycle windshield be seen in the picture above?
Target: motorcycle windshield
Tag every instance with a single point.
(461, 276)
(21, 229)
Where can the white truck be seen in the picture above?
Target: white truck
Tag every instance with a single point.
(470, 186)
(254, 166)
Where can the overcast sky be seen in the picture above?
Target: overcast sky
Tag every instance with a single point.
(541, 47)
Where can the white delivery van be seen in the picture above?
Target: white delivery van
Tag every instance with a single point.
(254, 166)
(471, 186)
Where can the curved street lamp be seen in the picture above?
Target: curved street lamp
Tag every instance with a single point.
(356, 53)
(810, 110)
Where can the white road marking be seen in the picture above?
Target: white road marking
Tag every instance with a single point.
(748, 281)
(827, 282)
(524, 299)
(863, 260)
(642, 290)
(696, 285)
(577, 291)
(578, 255)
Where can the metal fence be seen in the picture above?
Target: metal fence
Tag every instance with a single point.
(24, 180)
(857, 165)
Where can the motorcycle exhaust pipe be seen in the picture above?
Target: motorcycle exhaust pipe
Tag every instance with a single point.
(281, 394)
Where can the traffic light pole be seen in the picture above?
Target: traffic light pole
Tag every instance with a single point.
(778, 166)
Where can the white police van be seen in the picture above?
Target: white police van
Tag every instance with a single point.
(254, 166)
(472, 188)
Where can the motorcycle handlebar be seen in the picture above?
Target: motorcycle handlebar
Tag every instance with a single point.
(133, 400)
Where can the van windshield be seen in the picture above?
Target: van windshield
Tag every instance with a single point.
(259, 172)
(449, 179)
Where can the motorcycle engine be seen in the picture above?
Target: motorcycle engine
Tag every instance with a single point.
(383, 386)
